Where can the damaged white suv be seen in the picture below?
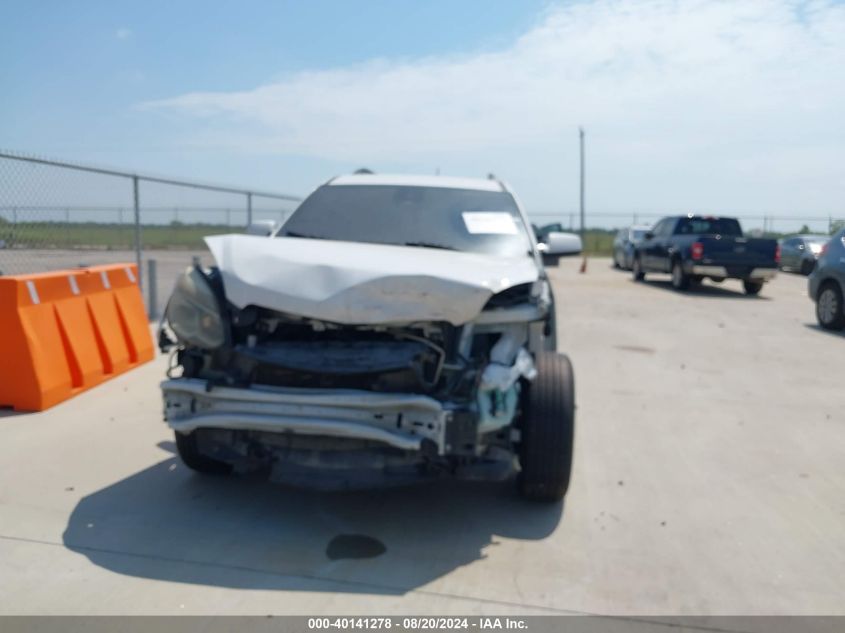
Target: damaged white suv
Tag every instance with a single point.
(395, 328)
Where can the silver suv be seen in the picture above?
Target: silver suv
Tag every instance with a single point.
(395, 328)
(827, 284)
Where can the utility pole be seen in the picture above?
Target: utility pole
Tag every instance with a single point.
(581, 139)
(583, 268)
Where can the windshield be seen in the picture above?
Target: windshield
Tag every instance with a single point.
(638, 234)
(433, 217)
(821, 240)
(709, 226)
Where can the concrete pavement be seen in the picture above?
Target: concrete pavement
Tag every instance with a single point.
(708, 479)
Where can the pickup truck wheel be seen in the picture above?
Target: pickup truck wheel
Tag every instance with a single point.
(637, 269)
(752, 287)
(186, 446)
(830, 311)
(680, 280)
(548, 424)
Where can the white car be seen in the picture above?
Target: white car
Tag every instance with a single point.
(395, 328)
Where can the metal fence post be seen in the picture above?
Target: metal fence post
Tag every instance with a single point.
(137, 203)
(152, 290)
(249, 208)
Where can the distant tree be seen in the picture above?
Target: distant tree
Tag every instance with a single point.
(176, 223)
(836, 225)
(804, 229)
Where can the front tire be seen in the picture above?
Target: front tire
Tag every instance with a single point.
(186, 446)
(830, 311)
(680, 280)
(637, 269)
(548, 428)
(752, 288)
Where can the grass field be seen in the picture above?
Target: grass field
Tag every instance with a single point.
(95, 236)
(176, 236)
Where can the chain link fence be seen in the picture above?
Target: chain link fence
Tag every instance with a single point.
(56, 215)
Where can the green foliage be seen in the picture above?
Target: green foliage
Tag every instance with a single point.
(90, 235)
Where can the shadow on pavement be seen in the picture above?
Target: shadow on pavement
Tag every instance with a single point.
(168, 523)
(8, 412)
(817, 328)
(706, 290)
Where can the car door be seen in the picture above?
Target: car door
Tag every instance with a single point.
(617, 245)
(648, 247)
(662, 242)
(801, 248)
(785, 248)
(790, 253)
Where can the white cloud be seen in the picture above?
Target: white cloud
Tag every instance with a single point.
(727, 84)
(123, 33)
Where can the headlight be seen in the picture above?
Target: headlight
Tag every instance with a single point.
(541, 293)
(193, 312)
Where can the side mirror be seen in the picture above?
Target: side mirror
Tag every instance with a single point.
(263, 228)
(648, 236)
(563, 244)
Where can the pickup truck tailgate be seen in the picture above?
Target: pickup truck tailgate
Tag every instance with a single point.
(739, 254)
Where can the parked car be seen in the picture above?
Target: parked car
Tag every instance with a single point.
(623, 245)
(693, 247)
(395, 328)
(826, 284)
(798, 253)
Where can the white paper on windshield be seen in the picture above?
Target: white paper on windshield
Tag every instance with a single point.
(490, 222)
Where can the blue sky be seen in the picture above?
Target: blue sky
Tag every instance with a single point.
(697, 105)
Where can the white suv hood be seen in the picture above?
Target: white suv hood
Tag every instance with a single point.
(355, 283)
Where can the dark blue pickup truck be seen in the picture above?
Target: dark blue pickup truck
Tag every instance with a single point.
(693, 247)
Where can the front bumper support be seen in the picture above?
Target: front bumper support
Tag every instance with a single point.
(402, 421)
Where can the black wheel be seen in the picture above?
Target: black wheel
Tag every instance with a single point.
(637, 269)
(680, 280)
(616, 263)
(752, 287)
(186, 445)
(548, 425)
(807, 266)
(830, 311)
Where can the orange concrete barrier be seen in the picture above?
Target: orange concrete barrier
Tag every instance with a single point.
(64, 332)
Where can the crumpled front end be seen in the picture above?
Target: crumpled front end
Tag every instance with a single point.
(344, 405)
(363, 284)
